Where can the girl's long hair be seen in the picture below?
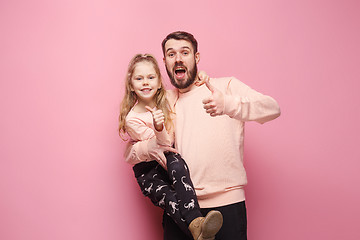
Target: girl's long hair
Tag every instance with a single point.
(130, 98)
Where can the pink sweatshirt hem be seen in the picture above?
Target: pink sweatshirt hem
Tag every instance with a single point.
(222, 199)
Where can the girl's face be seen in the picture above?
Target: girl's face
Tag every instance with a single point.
(145, 82)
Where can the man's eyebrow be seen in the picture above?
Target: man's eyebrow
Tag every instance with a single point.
(169, 49)
(185, 47)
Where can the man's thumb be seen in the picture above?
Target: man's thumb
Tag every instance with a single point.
(209, 86)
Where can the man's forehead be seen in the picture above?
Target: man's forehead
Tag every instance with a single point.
(177, 44)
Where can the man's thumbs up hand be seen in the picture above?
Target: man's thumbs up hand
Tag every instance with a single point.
(214, 105)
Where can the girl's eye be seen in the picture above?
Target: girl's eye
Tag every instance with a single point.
(151, 77)
(138, 78)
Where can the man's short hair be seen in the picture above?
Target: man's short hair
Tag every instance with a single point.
(181, 35)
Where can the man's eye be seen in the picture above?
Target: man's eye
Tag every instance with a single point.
(185, 53)
(171, 54)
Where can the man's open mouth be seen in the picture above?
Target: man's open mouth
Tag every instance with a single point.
(180, 72)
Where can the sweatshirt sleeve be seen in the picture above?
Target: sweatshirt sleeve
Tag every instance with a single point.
(144, 151)
(141, 135)
(137, 152)
(245, 104)
(163, 138)
(138, 130)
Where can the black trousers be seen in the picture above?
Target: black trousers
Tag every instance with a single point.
(172, 190)
(234, 226)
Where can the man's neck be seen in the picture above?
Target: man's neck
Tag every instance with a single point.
(188, 89)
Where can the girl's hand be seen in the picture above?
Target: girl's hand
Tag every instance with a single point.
(157, 151)
(202, 77)
(158, 117)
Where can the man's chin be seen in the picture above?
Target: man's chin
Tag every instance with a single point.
(182, 84)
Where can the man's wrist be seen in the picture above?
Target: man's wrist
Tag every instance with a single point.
(232, 105)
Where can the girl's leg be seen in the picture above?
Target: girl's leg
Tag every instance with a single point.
(180, 178)
(156, 185)
(201, 227)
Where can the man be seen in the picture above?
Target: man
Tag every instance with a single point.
(209, 134)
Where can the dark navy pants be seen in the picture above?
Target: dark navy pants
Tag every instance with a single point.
(172, 190)
(234, 225)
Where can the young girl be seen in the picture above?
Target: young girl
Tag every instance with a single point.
(144, 114)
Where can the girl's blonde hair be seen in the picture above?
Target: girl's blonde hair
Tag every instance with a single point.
(130, 98)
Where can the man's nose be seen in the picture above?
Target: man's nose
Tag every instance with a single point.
(178, 58)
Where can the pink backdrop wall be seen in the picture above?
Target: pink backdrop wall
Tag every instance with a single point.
(62, 64)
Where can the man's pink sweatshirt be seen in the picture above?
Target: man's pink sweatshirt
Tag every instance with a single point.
(213, 146)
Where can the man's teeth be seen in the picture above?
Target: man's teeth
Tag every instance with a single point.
(179, 69)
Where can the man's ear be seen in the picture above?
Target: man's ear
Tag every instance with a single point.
(197, 57)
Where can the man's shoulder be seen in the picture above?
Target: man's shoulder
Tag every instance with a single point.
(223, 82)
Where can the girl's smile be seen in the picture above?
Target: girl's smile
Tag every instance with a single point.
(145, 83)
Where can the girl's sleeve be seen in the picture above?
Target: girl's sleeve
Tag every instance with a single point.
(141, 134)
(138, 130)
(163, 138)
(246, 104)
(144, 151)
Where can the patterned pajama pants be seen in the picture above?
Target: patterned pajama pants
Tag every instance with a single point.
(172, 190)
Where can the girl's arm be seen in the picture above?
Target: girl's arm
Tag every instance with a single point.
(146, 150)
(162, 136)
(202, 77)
(146, 141)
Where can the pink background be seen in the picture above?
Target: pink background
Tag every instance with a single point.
(62, 65)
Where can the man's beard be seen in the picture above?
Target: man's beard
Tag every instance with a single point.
(192, 73)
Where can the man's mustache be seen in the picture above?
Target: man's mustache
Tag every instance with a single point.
(179, 65)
